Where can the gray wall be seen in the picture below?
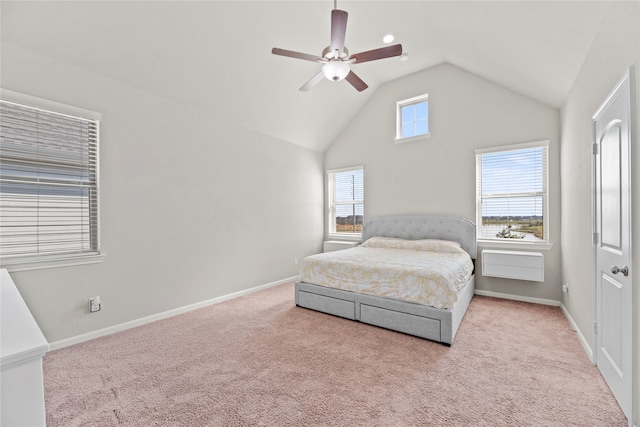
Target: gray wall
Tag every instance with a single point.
(615, 48)
(192, 205)
(437, 175)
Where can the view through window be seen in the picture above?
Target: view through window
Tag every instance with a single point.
(412, 118)
(346, 199)
(512, 193)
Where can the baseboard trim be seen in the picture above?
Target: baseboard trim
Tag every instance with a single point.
(518, 298)
(159, 316)
(581, 338)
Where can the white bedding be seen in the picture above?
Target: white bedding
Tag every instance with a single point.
(429, 272)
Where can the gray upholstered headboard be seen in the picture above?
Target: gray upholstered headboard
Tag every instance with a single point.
(416, 227)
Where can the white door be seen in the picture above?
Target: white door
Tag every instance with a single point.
(613, 299)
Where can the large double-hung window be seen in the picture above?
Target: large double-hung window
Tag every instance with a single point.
(346, 201)
(48, 182)
(512, 193)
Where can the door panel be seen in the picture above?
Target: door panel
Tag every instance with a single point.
(610, 167)
(612, 221)
(612, 322)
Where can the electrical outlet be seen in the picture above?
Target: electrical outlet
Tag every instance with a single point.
(565, 288)
(94, 304)
(295, 261)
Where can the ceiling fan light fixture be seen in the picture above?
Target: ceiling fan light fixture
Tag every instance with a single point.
(335, 70)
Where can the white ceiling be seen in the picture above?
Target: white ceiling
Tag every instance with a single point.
(216, 55)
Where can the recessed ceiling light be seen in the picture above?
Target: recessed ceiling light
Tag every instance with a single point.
(404, 57)
(388, 38)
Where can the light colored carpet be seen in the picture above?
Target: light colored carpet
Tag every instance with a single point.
(259, 360)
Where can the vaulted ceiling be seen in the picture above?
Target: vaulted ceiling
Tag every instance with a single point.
(216, 55)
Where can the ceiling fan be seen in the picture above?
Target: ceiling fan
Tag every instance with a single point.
(336, 59)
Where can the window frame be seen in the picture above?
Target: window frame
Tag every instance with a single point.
(399, 139)
(545, 242)
(331, 205)
(38, 261)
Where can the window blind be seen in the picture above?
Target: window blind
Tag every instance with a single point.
(512, 193)
(48, 183)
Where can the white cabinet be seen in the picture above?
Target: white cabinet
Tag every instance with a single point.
(517, 265)
(22, 346)
(337, 245)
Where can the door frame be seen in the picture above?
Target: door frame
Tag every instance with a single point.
(628, 76)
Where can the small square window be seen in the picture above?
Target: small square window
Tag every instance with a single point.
(412, 119)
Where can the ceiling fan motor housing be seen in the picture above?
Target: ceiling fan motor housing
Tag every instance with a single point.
(329, 54)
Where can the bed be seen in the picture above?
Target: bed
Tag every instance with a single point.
(327, 282)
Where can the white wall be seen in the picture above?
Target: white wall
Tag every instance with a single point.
(615, 48)
(192, 206)
(437, 175)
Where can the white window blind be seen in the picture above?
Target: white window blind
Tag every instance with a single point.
(346, 200)
(512, 193)
(48, 184)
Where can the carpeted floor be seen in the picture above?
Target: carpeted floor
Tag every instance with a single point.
(259, 360)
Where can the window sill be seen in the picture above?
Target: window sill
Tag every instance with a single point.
(544, 246)
(412, 138)
(54, 262)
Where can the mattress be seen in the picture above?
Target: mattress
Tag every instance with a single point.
(429, 272)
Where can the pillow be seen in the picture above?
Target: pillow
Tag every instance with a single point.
(429, 245)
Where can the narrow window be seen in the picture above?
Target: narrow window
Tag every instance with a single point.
(346, 201)
(412, 119)
(512, 198)
(49, 184)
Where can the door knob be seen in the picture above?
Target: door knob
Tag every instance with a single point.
(624, 270)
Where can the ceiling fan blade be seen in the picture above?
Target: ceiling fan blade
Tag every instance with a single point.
(356, 81)
(383, 52)
(297, 55)
(312, 82)
(338, 30)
